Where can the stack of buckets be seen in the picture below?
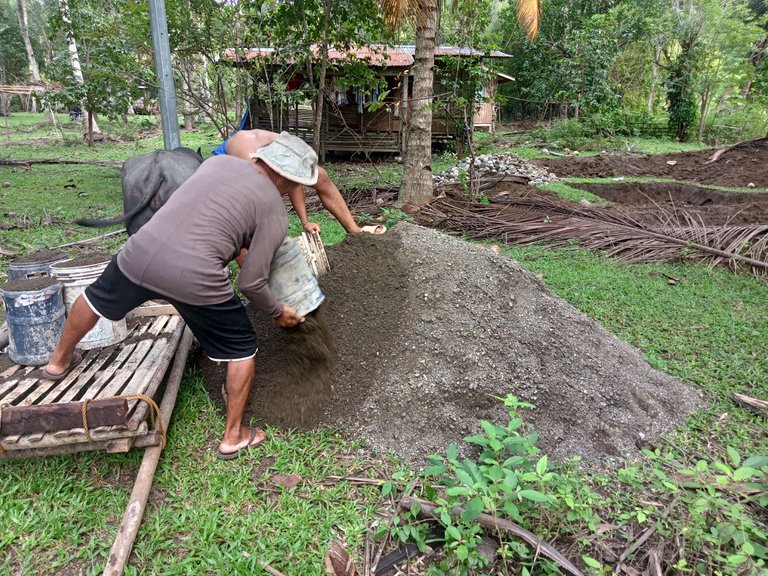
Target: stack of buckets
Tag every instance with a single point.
(39, 293)
(34, 308)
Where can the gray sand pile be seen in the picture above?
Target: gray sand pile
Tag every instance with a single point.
(428, 329)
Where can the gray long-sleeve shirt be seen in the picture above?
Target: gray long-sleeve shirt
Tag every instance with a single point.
(183, 251)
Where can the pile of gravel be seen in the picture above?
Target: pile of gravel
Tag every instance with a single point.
(428, 329)
(506, 164)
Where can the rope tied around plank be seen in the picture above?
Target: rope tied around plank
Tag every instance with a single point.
(154, 416)
(2, 450)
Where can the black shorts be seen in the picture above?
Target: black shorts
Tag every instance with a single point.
(224, 330)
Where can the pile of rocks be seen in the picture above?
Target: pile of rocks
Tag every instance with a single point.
(495, 164)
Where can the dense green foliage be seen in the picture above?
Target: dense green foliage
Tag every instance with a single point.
(690, 69)
(641, 61)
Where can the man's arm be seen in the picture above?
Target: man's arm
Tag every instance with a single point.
(296, 196)
(332, 200)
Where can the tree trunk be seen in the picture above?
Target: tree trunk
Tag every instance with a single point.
(5, 99)
(23, 24)
(654, 80)
(188, 111)
(77, 71)
(319, 105)
(416, 187)
(755, 57)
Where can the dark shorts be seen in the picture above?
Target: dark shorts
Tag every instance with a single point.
(224, 330)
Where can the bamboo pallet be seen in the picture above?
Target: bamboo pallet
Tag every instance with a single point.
(40, 417)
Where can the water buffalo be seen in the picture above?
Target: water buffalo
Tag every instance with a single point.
(147, 182)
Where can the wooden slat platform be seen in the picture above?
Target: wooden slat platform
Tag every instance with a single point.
(135, 366)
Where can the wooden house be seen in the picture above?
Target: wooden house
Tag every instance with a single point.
(358, 119)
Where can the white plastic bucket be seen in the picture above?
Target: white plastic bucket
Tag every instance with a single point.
(74, 280)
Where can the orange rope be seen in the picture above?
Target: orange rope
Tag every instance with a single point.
(154, 415)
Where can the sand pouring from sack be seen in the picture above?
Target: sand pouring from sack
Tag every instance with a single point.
(428, 329)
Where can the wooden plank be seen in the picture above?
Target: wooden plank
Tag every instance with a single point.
(154, 310)
(144, 373)
(95, 389)
(86, 380)
(48, 417)
(11, 371)
(63, 385)
(73, 436)
(153, 384)
(19, 389)
(53, 450)
(8, 385)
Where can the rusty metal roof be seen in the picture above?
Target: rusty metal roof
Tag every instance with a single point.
(380, 55)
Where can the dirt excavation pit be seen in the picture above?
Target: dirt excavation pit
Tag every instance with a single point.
(738, 166)
(427, 329)
(646, 202)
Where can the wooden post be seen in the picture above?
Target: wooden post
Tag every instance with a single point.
(129, 527)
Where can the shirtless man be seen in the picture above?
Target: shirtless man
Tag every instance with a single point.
(245, 143)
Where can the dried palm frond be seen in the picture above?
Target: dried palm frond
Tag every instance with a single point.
(396, 12)
(529, 16)
(558, 223)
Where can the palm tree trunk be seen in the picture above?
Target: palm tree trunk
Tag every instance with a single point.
(416, 187)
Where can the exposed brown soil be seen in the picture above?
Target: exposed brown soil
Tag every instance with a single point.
(429, 329)
(646, 201)
(40, 256)
(85, 260)
(29, 284)
(738, 167)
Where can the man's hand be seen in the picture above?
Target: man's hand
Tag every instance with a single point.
(289, 318)
(312, 228)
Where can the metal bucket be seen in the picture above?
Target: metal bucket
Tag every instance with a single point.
(75, 279)
(292, 281)
(314, 252)
(34, 310)
(34, 264)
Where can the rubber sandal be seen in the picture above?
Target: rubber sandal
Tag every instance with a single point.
(235, 453)
(378, 229)
(76, 359)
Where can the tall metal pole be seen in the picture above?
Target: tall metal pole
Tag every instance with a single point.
(164, 69)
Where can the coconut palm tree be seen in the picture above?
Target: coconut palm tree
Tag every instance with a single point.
(416, 187)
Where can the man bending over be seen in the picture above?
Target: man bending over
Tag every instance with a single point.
(226, 207)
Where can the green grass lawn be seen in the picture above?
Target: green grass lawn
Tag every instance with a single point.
(59, 515)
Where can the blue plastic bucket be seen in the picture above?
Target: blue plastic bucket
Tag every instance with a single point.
(292, 281)
(34, 264)
(34, 310)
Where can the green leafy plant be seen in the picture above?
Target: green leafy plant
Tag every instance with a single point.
(509, 478)
(393, 216)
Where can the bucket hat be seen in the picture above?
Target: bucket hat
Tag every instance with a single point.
(291, 157)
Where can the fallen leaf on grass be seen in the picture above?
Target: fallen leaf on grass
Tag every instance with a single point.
(286, 480)
(338, 562)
